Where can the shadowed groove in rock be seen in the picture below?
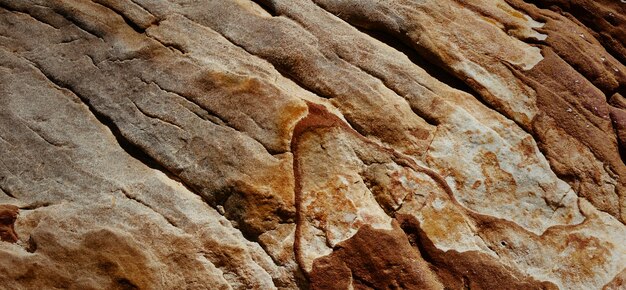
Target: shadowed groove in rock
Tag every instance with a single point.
(598, 16)
(448, 269)
(136, 27)
(266, 5)
(433, 69)
(133, 150)
(466, 270)
(130, 148)
(423, 58)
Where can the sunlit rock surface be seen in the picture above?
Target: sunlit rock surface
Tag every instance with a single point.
(312, 144)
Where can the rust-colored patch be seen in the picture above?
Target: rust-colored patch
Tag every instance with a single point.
(319, 118)
(510, 11)
(394, 186)
(467, 270)
(492, 21)
(619, 282)
(327, 220)
(374, 259)
(443, 224)
(526, 149)
(8, 215)
(605, 17)
(496, 179)
(580, 110)
(618, 118)
(585, 258)
(421, 134)
(385, 259)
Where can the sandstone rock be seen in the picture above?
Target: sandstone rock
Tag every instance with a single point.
(344, 144)
(8, 215)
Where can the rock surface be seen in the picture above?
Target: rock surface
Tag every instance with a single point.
(312, 144)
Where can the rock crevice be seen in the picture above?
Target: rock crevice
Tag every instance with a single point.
(312, 144)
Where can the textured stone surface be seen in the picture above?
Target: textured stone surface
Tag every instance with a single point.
(322, 144)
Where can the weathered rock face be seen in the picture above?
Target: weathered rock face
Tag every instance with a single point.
(323, 144)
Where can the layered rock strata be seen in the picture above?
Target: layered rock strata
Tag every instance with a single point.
(322, 144)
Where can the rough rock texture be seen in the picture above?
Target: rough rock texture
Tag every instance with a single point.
(8, 215)
(312, 144)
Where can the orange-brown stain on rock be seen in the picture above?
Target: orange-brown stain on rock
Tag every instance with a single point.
(8, 215)
(419, 133)
(578, 108)
(393, 187)
(318, 117)
(511, 11)
(403, 190)
(526, 149)
(585, 257)
(492, 21)
(619, 282)
(466, 270)
(374, 259)
(117, 258)
(496, 179)
(385, 259)
(444, 223)
(324, 219)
